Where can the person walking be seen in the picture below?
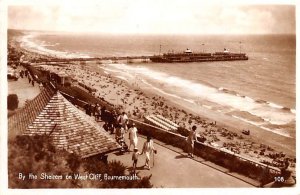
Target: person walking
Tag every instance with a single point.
(86, 108)
(148, 149)
(110, 127)
(133, 139)
(123, 120)
(119, 132)
(190, 141)
(135, 157)
(103, 114)
(96, 113)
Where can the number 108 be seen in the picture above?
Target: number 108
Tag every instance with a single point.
(279, 179)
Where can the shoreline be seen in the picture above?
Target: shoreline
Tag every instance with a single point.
(278, 142)
(143, 100)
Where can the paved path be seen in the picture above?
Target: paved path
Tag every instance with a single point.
(174, 170)
(23, 89)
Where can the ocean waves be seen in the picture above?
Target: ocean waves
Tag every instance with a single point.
(258, 112)
(259, 101)
(30, 43)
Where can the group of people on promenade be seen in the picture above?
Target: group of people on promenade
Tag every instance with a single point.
(148, 146)
(119, 125)
(31, 78)
(25, 73)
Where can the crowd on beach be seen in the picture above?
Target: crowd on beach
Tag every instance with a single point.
(136, 104)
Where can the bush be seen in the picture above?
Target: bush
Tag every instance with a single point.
(36, 155)
(12, 101)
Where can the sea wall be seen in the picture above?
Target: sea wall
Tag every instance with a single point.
(234, 163)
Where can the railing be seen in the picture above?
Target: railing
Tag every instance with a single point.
(74, 98)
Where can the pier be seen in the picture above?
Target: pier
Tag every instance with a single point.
(114, 59)
(187, 56)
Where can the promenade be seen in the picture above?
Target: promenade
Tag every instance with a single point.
(175, 170)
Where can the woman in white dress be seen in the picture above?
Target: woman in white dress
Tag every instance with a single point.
(148, 149)
(133, 136)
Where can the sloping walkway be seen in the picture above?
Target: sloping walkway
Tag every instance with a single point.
(174, 170)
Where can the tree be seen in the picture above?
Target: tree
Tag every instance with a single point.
(35, 155)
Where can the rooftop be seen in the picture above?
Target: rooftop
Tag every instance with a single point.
(70, 129)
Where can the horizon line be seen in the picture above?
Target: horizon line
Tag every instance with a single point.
(149, 34)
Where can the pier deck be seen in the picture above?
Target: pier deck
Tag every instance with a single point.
(113, 58)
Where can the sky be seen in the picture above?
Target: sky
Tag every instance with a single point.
(153, 16)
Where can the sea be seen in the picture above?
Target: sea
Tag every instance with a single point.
(260, 91)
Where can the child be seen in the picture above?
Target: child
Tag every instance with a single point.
(135, 156)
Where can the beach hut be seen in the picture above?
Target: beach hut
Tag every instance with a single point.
(65, 79)
(61, 78)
